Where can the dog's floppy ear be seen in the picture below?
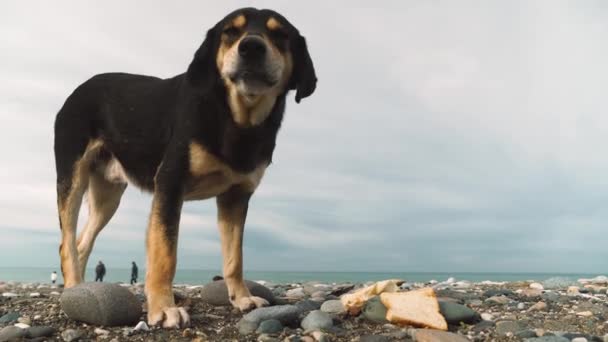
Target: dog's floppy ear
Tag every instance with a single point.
(303, 77)
(202, 72)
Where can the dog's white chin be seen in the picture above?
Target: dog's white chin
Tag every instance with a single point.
(252, 89)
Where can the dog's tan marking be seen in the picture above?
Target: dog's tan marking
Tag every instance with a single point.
(103, 199)
(239, 21)
(232, 212)
(161, 262)
(210, 177)
(273, 24)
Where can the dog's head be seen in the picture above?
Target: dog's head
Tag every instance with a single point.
(255, 53)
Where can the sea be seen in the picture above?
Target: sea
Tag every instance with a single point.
(197, 277)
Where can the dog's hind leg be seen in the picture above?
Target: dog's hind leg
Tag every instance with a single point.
(74, 150)
(103, 199)
(232, 212)
(72, 179)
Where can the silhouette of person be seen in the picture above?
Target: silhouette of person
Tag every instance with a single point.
(100, 271)
(134, 272)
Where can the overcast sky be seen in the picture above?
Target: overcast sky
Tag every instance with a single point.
(443, 136)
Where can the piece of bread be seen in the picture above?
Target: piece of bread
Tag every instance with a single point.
(418, 308)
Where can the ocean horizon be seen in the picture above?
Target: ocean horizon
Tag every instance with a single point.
(203, 276)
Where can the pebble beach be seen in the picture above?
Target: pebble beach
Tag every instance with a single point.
(556, 309)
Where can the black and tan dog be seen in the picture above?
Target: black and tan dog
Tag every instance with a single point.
(209, 132)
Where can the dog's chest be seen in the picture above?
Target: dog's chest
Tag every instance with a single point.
(209, 177)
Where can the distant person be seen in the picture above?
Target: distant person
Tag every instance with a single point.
(100, 271)
(217, 277)
(53, 277)
(134, 272)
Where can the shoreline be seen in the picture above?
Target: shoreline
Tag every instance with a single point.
(556, 309)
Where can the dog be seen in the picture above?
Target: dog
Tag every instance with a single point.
(209, 132)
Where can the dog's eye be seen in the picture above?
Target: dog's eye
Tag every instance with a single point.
(232, 32)
(279, 35)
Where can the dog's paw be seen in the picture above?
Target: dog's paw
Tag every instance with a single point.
(170, 317)
(249, 303)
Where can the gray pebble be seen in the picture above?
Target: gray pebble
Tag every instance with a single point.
(270, 326)
(70, 335)
(11, 333)
(283, 313)
(317, 320)
(216, 293)
(456, 313)
(246, 327)
(504, 327)
(101, 304)
(374, 338)
(9, 317)
(374, 310)
(547, 339)
(333, 307)
(34, 332)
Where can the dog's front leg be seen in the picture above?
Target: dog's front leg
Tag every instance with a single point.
(232, 211)
(162, 254)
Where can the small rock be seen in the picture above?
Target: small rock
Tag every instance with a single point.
(99, 331)
(41, 331)
(487, 316)
(246, 327)
(24, 320)
(573, 290)
(270, 326)
(550, 296)
(22, 325)
(318, 336)
(536, 286)
(430, 335)
(498, 300)
(9, 294)
(9, 318)
(103, 304)
(216, 293)
(267, 338)
(540, 306)
(11, 333)
(521, 306)
(505, 327)
(70, 335)
(547, 339)
(35, 294)
(529, 293)
(585, 313)
(375, 311)
(317, 320)
(297, 292)
(284, 313)
(307, 305)
(374, 338)
(141, 326)
(526, 334)
(579, 339)
(456, 313)
(333, 307)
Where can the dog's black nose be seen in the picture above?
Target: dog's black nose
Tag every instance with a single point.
(252, 47)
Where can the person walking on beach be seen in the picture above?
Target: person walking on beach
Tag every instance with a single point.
(100, 271)
(134, 272)
(53, 277)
